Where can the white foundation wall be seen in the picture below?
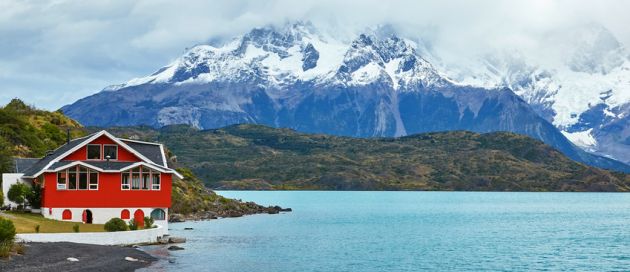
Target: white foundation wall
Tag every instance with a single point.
(98, 238)
(101, 215)
(8, 180)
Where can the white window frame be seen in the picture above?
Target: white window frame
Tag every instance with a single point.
(122, 185)
(151, 185)
(142, 173)
(76, 178)
(87, 172)
(103, 155)
(98, 176)
(65, 184)
(159, 185)
(87, 152)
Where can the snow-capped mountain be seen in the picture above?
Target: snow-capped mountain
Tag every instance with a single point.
(586, 95)
(375, 84)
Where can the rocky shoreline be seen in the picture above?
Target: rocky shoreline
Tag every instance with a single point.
(64, 256)
(227, 211)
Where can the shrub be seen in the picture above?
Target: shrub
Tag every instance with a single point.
(7, 236)
(75, 227)
(7, 230)
(148, 222)
(1, 198)
(115, 224)
(5, 248)
(19, 193)
(37, 228)
(35, 196)
(133, 225)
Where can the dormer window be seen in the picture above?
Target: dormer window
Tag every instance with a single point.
(102, 152)
(111, 151)
(94, 152)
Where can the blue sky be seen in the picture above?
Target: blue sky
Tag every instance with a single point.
(55, 52)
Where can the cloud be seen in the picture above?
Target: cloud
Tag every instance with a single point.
(53, 53)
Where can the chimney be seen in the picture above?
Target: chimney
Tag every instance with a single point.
(68, 136)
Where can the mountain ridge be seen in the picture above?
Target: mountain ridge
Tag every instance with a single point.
(263, 158)
(294, 77)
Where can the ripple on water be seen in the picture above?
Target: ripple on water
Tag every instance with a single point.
(411, 231)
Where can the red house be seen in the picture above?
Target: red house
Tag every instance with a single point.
(98, 177)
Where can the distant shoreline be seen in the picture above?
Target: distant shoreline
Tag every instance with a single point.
(54, 257)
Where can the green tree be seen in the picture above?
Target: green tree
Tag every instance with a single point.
(19, 193)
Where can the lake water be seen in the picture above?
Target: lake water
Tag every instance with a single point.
(411, 231)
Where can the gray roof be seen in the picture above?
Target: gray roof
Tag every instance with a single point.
(22, 164)
(36, 167)
(152, 151)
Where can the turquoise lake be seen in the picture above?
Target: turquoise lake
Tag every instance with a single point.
(411, 231)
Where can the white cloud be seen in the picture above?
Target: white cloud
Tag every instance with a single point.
(52, 53)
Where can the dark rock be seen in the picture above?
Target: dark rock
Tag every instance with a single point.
(176, 217)
(188, 228)
(175, 248)
(176, 240)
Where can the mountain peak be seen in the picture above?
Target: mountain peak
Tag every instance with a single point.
(297, 51)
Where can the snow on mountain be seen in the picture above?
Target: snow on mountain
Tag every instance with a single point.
(375, 84)
(583, 139)
(298, 52)
(581, 94)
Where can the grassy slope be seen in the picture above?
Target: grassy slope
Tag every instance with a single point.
(258, 157)
(28, 132)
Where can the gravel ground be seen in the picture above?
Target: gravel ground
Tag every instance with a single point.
(53, 257)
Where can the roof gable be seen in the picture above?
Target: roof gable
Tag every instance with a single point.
(74, 145)
(124, 154)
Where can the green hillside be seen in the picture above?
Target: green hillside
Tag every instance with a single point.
(258, 157)
(28, 132)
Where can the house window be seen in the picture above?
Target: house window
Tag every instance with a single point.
(158, 214)
(61, 180)
(156, 182)
(111, 151)
(135, 179)
(140, 178)
(77, 177)
(93, 180)
(125, 181)
(94, 152)
(146, 178)
(83, 178)
(72, 178)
